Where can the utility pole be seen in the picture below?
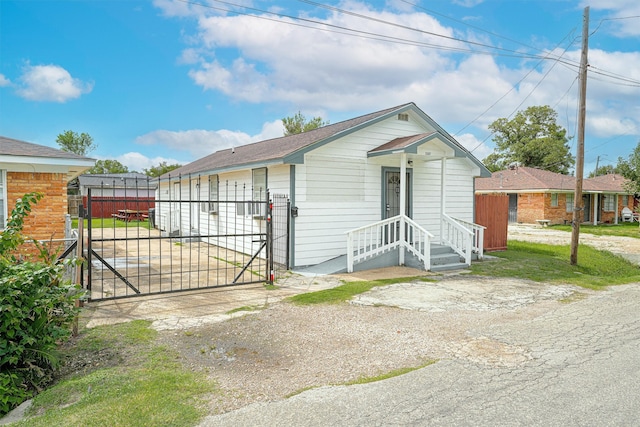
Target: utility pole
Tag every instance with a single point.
(577, 197)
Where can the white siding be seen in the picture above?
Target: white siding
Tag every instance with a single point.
(234, 189)
(338, 188)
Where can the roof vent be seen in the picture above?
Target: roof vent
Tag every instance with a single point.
(403, 117)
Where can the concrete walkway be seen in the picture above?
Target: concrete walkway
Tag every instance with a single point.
(182, 310)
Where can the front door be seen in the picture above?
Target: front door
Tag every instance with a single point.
(391, 193)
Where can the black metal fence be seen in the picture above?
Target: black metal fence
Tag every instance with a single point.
(187, 241)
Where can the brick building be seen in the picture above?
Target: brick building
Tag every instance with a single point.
(536, 194)
(27, 167)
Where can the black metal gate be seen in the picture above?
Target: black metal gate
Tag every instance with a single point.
(180, 242)
(281, 223)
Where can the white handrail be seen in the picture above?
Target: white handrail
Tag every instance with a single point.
(477, 245)
(458, 237)
(382, 236)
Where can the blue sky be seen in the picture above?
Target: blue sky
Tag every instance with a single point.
(169, 80)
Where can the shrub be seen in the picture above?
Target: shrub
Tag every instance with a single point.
(37, 308)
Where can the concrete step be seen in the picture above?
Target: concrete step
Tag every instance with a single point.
(437, 249)
(448, 267)
(445, 258)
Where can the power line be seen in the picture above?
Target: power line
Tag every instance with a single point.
(513, 87)
(327, 27)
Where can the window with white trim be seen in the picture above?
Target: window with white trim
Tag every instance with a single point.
(608, 202)
(259, 184)
(569, 202)
(625, 200)
(257, 205)
(554, 200)
(212, 206)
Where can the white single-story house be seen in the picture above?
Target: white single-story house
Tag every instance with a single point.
(384, 186)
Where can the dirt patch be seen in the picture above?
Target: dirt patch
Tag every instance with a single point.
(284, 349)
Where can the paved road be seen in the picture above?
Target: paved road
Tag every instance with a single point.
(582, 368)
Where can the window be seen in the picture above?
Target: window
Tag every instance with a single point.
(3, 198)
(404, 117)
(259, 188)
(257, 205)
(554, 200)
(569, 202)
(259, 184)
(625, 200)
(608, 202)
(212, 206)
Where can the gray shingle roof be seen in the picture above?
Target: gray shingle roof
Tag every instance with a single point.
(118, 180)
(527, 179)
(277, 148)
(14, 147)
(606, 183)
(402, 142)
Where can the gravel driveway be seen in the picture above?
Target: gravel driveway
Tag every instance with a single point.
(283, 349)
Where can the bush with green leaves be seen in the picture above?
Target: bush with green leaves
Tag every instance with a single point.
(37, 310)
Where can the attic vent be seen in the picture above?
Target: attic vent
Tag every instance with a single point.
(403, 117)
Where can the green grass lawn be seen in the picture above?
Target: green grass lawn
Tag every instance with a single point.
(550, 263)
(627, 229)
(110, 223)
(141, 384)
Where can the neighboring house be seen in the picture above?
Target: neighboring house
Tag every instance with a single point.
(116, 191)
(538, 195)
(395, 171)
(130, 184)
(27, 167)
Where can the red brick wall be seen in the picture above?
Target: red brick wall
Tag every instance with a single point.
(530, 207)
(534, 206)
(46, 219)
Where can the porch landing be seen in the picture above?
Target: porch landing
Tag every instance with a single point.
(443, 258)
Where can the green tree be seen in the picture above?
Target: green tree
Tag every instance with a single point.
(603, 170)
(299, 124)
(72, 142)
(108, 166)
(630, 169)
(161, 169)
(532, 138)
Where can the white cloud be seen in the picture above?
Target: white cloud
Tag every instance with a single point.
(623, 16)
(478, 148)
(468, 3)
(279, 62)
(50, 83)
(139, 162)
(262, 61)
(199, 143)
(175, 8)
(4, 81)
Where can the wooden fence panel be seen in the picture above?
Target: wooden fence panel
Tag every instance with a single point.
(492, 211)
(104, 207)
